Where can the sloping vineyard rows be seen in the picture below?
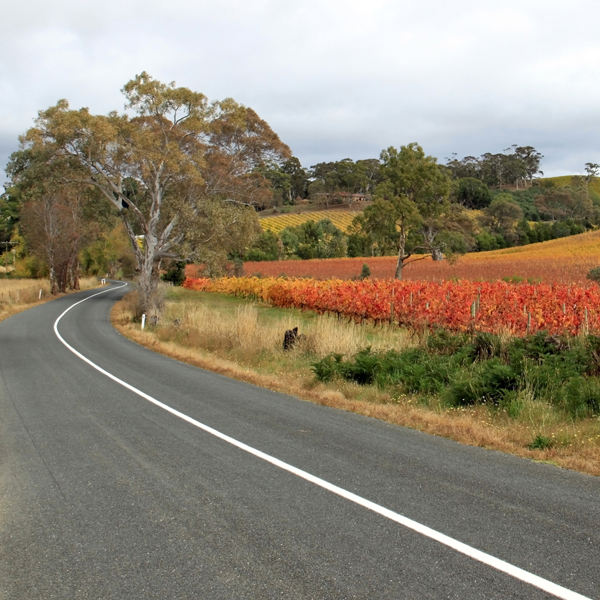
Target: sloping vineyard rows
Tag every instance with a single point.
(458, 306)
(341, 219)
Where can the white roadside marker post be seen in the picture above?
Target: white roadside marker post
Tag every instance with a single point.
(143, 321)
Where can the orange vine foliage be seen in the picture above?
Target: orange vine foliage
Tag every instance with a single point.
(458, 306)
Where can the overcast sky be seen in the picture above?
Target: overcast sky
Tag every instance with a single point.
(334, 78)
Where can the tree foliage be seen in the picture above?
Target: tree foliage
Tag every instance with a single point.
(181, 171)
(517, 166)
(412, 206)
(313, 239)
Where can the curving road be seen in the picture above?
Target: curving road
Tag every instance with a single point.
(186, 484)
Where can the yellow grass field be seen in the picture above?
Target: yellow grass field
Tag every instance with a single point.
(340, 218)
(17, 295)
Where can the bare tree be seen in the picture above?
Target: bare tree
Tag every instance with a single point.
(55, 231)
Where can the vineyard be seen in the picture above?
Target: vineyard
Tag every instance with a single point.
(457, 306)
(565, 260)
(340, 218)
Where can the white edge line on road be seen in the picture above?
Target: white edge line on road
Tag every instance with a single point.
(496, 563)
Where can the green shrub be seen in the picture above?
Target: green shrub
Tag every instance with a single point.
(594, 275)
(327, 368)
(485, 346)
(175, 273)
(366, 272)
(488, 383)
(541, 442)
(467, 370)
(443, 341)
(582, 397)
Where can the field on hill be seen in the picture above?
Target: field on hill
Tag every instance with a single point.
(340, 218)
(565, 260)
(564, 180)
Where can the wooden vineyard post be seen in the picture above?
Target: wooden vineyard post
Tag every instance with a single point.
(528, 323)
(392, 313)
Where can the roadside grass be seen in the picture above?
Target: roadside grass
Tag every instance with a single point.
(244, 340)
(17, 295)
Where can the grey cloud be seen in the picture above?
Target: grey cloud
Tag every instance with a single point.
(334, 78)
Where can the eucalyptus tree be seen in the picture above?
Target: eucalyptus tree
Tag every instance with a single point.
(181, 171)
(416, 190)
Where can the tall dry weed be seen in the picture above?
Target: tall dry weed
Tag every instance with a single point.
(244, 328)
(22, 291)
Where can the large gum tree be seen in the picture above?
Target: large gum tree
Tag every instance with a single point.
(182, 172)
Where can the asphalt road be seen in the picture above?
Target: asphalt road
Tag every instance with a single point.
(104, 494)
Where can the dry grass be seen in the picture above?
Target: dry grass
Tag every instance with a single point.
(244, 341)
(220, 329)
(17, 295)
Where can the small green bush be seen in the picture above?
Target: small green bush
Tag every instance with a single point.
(443, 341)
(541, 442)
(582, 397)
(594, 275)
(485, 346)
(328, 367)
(366, 272)
(488, 383)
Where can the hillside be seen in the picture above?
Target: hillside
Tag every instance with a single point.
(565, 180)
(565, 260)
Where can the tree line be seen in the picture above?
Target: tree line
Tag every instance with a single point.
(421, 207)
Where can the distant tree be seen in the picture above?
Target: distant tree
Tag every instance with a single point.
(468, 167)
(264, 247)
(471, 193)
(411, 198)
(516, 165)
(281, 184)
(56, 232)
(10, 207)
(502, 216)
(321, 239)
(298, 178)
(325, 185)
(334, 182)
(372, 174)
(565, 203)
(530, 158)
(110, 255)
(592, 170)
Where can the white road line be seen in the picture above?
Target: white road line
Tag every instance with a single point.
(496, 563)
